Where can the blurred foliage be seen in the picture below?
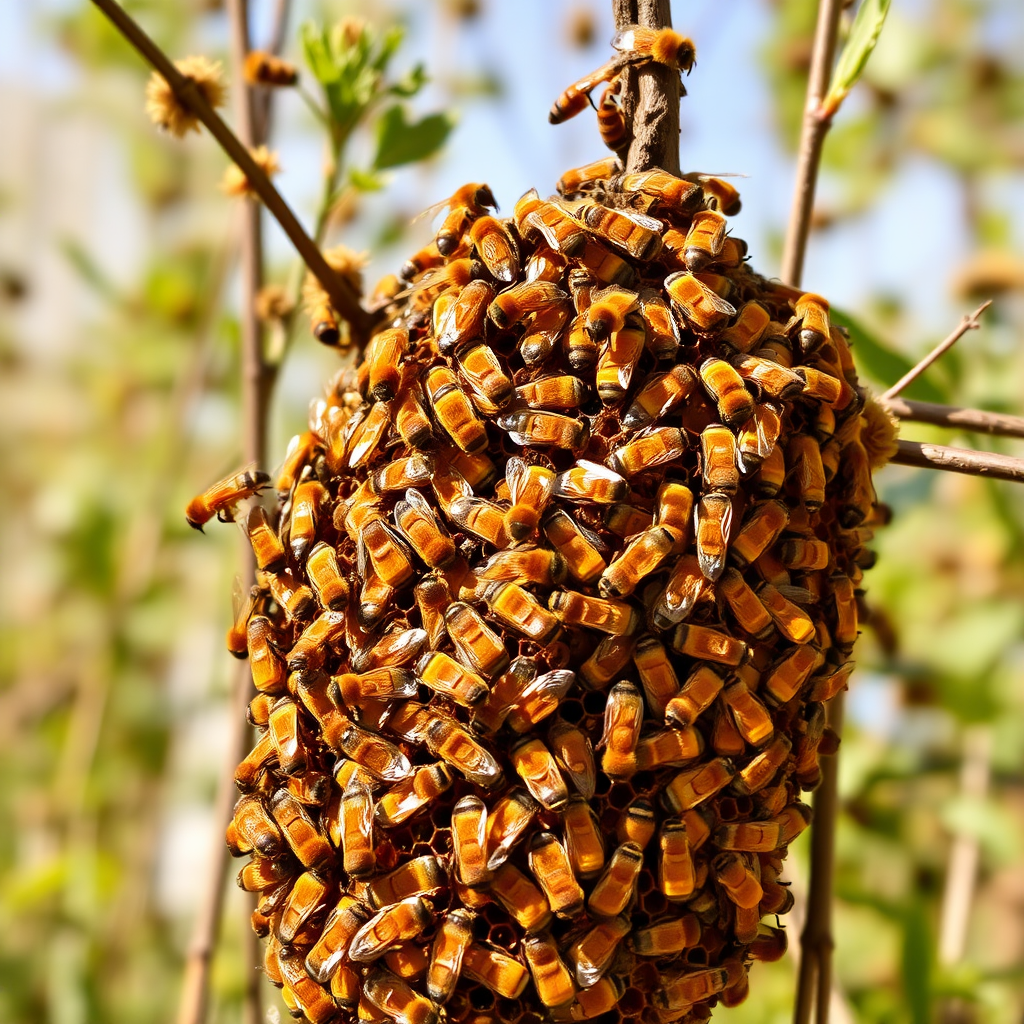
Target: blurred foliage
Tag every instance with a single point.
(113, 680)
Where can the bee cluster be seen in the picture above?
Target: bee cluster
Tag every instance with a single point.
(560, 581)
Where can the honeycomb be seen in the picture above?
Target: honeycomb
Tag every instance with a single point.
(557, 585)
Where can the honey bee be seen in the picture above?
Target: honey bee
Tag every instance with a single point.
(819, 386)
(719, 463)
(506, 825)
(762, 525)
(310, 1000)
(324, 574)
(446, 676)
(266, 545)
(713, 525)
(718, 194)
(633, 233)
(583, 841)
(637, 823)
(545, 265)
(243, 602)
(447, 953)
(421, 876)
(750, 613)
(301, 833)
(469, 842)
(575, 756)
(770, 378)
(668, 748)
(578, 547)
(537, 768)
(475, 642)
(366, 435)
(558, 392)
(407, 960)
(662, 45)
(592, 955)
(383, 760)
(480, 517)
(606, 267)
(757, 437)
(826, 687)
(662, 191)
(521, 898)
(358, 856)
(663, 336)
(686, 586)
(265, 663)
(616, 887)
(704, 240)
(659, 395)
(510, 306)
(544, 429)
(804, 468)
(748, 836)
(792, 622)
(530, 489)
(812, 313)
(417, 522)
(708, 644)
(738, 877)
(582, 178)
(283, 727)
(464, 205)
(454, 412)
(498, 971)
(539, 698)
(653, 447)
(520, 611)
(221, 498)
(383, 356)
(463, 319)
(612, 617)
(666, 936)
(845, 632)
(550, 865)
(447, 739)
(561, 233)
(750, 716)
(551, 977)
(657, 675)
(481, 368)
(390, 926)
(496, 248)
(251, 829)
(693, 786)
(397, 1000)
(702, 307)
(491, 713)
(623, 716)
(382, 553)
(408, 798)
(618, 360)
(525, 565)
(590, 482)
(761, 769)
(608, 310)
(326, 956)
(611, 121)
(542, 332)
(641, 557)
(772, 473)
(725, 386)
(679, 991)
(676, 871)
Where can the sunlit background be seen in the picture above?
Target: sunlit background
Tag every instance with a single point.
(119, 400)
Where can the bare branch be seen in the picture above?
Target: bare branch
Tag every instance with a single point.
(969, 322)
(650, 94)
(959, 460)
(812, 139)
(956, 418)
(342, 295)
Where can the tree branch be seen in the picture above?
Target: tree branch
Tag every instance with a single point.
(812, 138)
(956, 418)
(650, 94)
(342, 295)
(969, 322)
(959, 460)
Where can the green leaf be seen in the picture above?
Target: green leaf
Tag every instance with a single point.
(365, 181)
(867, 27)
(401, 142)
(881, 364)
(411, 82)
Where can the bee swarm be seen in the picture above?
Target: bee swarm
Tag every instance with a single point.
(561, 579)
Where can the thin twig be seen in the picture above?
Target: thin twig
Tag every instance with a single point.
(812, 137)
(955, 417)
(959, 460)
(275, 44)
(650, 94)
(969, 323)
(814, 981)
(342, 295)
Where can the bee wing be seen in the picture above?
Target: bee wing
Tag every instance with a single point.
(605, 73)
(516, 471)
(629, 38)
(642, 220)
(242, 600)
(432, 210)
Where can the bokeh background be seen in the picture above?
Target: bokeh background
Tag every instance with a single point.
(119, 400)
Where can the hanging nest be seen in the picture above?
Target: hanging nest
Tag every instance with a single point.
(559, 582)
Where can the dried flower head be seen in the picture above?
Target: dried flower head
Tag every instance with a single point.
(879, 430)
(235, 183)
(262, 68)
(273, 303)
(351, 29)
(349, 266)
(167, 110)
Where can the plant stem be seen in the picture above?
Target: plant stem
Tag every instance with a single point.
(970, 322)
(343, 297)
(812, 138)
(650, 94)
(956, 418)
(959, 460)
